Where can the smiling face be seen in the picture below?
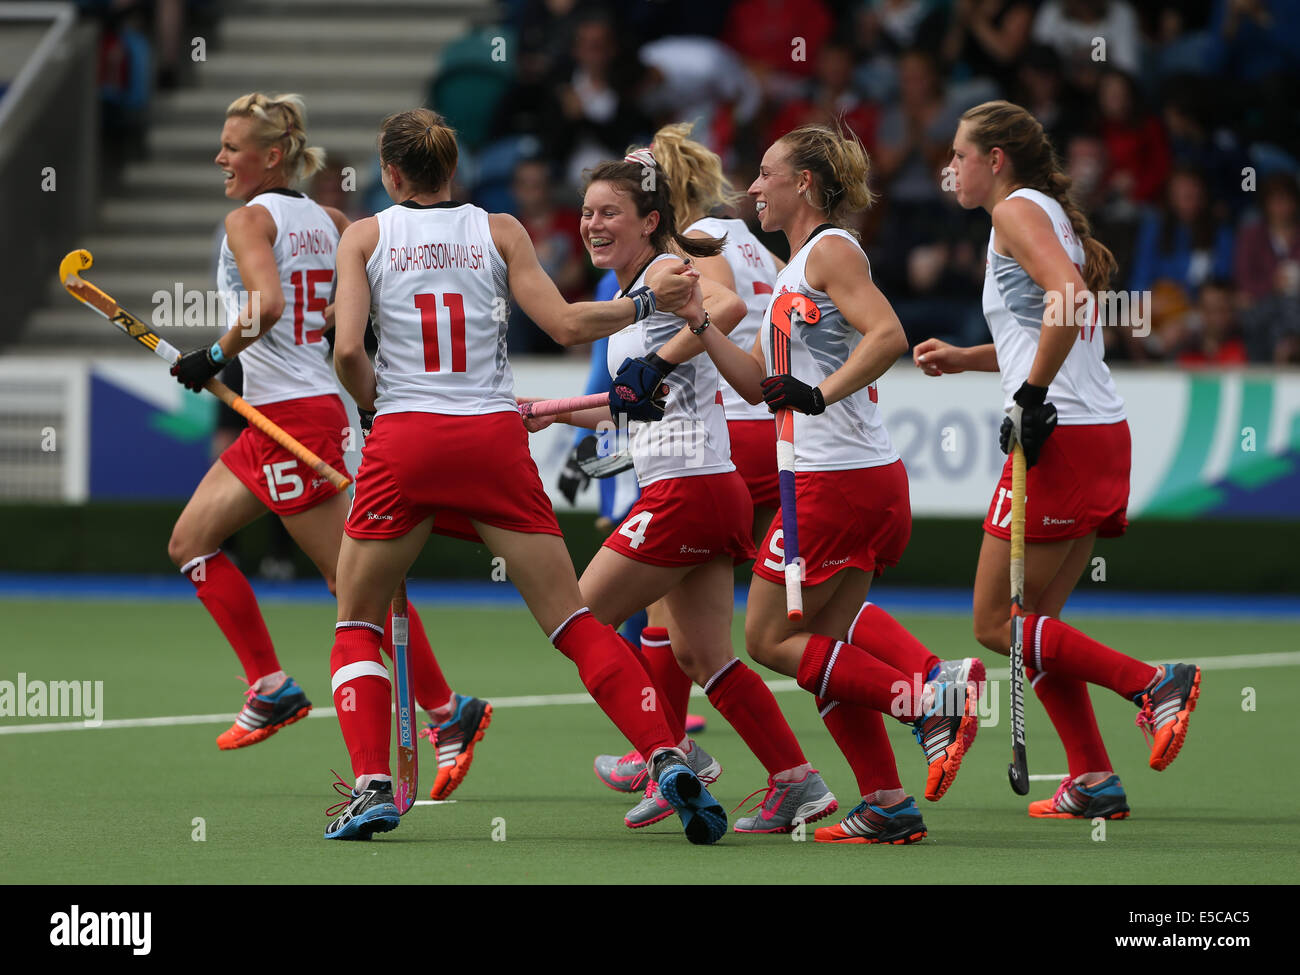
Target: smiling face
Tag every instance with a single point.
(247, 166)
(972, 170)
(776, 192)
(614, 235)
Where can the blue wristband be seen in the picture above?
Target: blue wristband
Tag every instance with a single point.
(215, 353)
(644, 300)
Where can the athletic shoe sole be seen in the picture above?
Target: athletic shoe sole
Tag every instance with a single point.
(361, 828)
(1180, 727)
(823, 836)
(703, 818)
(463, 761)
(261, 734)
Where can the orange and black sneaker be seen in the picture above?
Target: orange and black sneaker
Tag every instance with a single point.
(943, 732)
(1101, 800)
(897, 824)
(1165, 710)
(265, 714)
(454, 741)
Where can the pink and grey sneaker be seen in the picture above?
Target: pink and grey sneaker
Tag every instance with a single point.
(622, 773)
(787, 804)
(653, 806)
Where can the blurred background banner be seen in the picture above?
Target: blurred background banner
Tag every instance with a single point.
(1205, 445)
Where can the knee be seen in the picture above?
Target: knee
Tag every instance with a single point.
(179, 549)
(759, 649)
(332, 583)
(991, 632)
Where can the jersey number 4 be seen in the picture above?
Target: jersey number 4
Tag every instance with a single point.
(305, 299)
(428, 307)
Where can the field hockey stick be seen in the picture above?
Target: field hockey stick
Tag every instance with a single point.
(70, 269)
(408, 761)
(786, 310)
(1018, 770)
(552, 407)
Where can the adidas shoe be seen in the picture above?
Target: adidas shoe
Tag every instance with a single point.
(703, 819)
(454, 741)
(622, 773)
(942, 732)
(653, 806)
(363, 813)
(1165, 710)
(265, 714)
(1103, 800)
(897, 824)
(969, 671)
(788, 803)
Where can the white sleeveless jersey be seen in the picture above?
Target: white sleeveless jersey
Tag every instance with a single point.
(1083, 391)
(291, 360)
(439, 303)
(692, 437)
(851, 433)
(755, 274)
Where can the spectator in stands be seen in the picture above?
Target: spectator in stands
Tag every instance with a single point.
(914, 134)
(1077, 30)
(779, 41)
(1195, 141)
(336, 186)
(829, 98)
(1182, 242)
(1136, 149)
(1213, 335)
(597, 92)
(890, 27)
(986, 38)
(699, 78)
(1040, 87)
(555, 235)
(1268, 247)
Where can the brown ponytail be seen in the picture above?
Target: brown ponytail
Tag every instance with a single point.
(422, 146)
(1017, 133)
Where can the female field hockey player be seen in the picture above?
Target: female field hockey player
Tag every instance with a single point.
(1066, 412)
(449, 454)
(279, 247)
(853, 508)
(696, 188)
(679, 544)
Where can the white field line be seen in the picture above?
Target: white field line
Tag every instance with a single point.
(1245, 661)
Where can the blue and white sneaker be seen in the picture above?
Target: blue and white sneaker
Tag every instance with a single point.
(703, 818)
(364, 813)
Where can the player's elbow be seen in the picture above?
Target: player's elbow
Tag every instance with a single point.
(731, 312)
(898, 342)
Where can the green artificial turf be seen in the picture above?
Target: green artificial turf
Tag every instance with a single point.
(118, 805)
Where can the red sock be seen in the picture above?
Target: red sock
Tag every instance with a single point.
(363, 697)
(661, 701)
(1057, 648)
(860, 733)
(1070, 708)
(657, 652)
(842, 672)
(882, 636)
(226, 594)
(609, 669)
(744, 700)
(431, 690)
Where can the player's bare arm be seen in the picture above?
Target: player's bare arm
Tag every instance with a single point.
(725, 309)
(250, 232)
(351, 309)
(583, 321)
(849, 285)
(1024, 233)
(341, 223)
(934, 357)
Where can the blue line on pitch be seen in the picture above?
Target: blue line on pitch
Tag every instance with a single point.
(903, 599)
